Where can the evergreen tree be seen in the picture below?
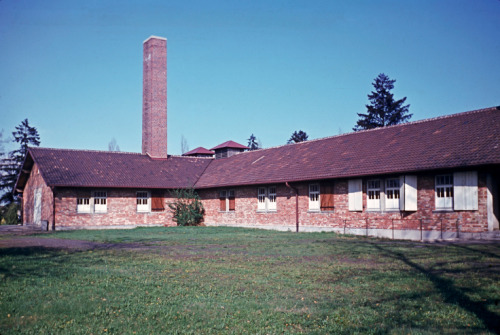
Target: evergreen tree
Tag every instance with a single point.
(252, 143)
(10, 166)
(383, 110)
(186, 208)
(298, 136)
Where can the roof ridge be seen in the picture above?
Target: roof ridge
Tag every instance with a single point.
(189, 157)
(380, 128)
(88, 150)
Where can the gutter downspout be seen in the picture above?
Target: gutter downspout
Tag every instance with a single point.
(296, 205)
(53, 208)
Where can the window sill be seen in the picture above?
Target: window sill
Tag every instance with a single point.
(227, 212)
(443, 210)
(267, 212)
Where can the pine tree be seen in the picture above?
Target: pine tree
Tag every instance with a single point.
(10, 166)
(252, 143)
(298, 136)
(383, 109)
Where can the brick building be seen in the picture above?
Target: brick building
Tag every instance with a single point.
(429, 179)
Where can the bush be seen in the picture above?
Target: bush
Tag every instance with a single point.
(9, 215)
(187, 208)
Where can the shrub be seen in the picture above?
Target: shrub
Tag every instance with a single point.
(187, 208)
(9, 215)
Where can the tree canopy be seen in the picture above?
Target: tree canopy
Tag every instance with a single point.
(25, 136)
(383, 110)
(298, 136)
(252, 143)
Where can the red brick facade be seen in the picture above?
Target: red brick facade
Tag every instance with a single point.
(121, 212)
(154, 99)
(426, 218)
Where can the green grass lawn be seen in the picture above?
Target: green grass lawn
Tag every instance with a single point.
(208, 280)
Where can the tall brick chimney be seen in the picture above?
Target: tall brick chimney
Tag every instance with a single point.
(154, 97)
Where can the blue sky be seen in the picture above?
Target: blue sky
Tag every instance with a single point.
(74, 68)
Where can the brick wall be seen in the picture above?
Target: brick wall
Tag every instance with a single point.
(246, 213)
(121, 211)
(35, 181)
(154, 99)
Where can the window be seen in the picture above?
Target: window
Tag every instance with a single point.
(266, 199)
(373, 194)
(314, 204)
(100, 203)
(143, 202)
(457, 191)
(444, 192)
(271, 205)
(83, 204)
(392, 194)
(227, 201)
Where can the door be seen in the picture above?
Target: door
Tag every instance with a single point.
(37, 209)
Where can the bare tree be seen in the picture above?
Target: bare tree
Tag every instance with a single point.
(184, 145)
(113, 146)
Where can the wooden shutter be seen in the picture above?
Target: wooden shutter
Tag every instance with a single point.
(465, 190)
(232, 202)
(355, 188)
(408, 193)
(157, 201)
(222, 204)
(326, 196)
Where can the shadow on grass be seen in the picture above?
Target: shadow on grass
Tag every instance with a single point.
(449, 292)
(24, 261)
(482, 252)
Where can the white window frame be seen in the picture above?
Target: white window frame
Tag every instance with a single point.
(143, 201)
(314, 200)
(392, 194)
(83, 205)
(100, 201)
(271, 198)
(226, 194)
(443, 192)
(373, 194)
(266, 199)
(261, 199)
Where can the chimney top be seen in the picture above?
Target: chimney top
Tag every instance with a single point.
(155, 37)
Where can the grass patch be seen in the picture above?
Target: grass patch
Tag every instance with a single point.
(215, 280)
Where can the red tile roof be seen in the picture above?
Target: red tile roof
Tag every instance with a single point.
(459, 140)
(229, 144)
(454, 141)
(198, 151)
(82, 168)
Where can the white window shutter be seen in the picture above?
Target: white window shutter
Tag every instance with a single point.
(355, 188)
(410, 193)
(402, 193)
(465, 191)
(472, 191)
